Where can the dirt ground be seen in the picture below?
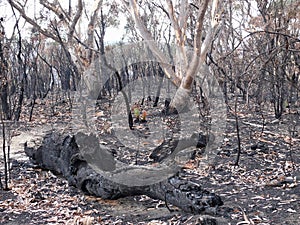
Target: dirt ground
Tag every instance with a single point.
(263, 189)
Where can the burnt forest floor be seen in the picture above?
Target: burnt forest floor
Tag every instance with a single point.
(263, 189)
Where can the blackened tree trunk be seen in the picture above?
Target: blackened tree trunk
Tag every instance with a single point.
(5, 159)
(20, 101)
(4, 99)
(60, 153)
(4, 106)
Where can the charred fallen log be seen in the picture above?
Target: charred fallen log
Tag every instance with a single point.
(169, 148)
(60, 154)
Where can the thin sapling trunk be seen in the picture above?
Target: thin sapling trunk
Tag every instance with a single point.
(237, 133)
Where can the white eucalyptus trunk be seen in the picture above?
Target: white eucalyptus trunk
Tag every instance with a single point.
(186, 69)
(181, 99)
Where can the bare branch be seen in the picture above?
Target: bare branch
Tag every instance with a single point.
(31, 21)
(191, 72)
(199, 28)
(200, 49)
(132, 7)
(174, 22)
(180, 33)
(91, 28)
(57, 9)
(162, 8)
(183, 16)
(75, 20)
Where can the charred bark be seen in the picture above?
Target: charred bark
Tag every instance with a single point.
(169, 148)
(60, 154)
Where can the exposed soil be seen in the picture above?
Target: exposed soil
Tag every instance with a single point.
(263, 189)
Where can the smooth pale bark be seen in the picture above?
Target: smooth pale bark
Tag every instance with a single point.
(185, 72)
(167, 68)
(180, 100)
(199, 55)
(91, 32)
(180, 24)
(195, 62)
